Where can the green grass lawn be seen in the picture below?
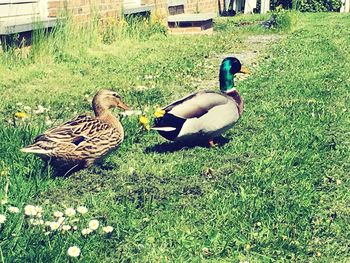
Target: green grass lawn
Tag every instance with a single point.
(278, 190)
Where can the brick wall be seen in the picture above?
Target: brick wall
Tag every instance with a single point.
(201, 6)
(82, 10)
(160, 6)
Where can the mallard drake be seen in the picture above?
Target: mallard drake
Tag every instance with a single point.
(204, 114)
(80, 142)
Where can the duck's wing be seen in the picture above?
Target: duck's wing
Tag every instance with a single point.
(83, 126)
(186, 109)
(70, 136)
(196, 104)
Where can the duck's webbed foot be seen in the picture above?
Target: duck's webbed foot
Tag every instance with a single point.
(212, 143)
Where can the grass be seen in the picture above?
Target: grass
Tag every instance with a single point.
(276, 191)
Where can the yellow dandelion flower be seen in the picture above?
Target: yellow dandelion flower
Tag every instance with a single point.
(73, 251)
(21, 115)
(145, 122)
(159, 113)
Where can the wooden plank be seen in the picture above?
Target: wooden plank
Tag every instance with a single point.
(7, 2)
(19, 9)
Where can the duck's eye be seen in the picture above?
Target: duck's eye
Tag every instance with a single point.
(116, 95)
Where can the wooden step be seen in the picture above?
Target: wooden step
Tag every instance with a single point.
(201, 23)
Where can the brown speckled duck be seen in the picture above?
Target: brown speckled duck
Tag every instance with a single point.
(80, 142)
(205, 114)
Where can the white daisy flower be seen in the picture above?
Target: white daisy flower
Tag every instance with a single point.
(61, 220)
(57, 214)
(39, 210)
(82, 210)
(30, 210)
(73, 251)
(2, 218)
(66, 227)
(107, 229)
(86, 231)
(93, 224)
(54, 226)
(13, 209)
(70, 211)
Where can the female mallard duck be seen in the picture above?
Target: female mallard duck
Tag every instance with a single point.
(204, 114)
(82, 141)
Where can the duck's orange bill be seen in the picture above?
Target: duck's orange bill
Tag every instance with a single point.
(244, 70)
(123, 106)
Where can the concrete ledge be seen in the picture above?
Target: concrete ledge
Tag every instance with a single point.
(19, 26)
(138, 9)
(191, 17)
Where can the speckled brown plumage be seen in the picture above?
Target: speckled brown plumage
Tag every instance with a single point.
(82, 141)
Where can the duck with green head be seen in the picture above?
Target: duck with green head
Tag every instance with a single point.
(204, 115)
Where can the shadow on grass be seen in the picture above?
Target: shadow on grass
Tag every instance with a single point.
(169, 147)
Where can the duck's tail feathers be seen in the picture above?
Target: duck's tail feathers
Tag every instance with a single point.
(36, 150)
(166, 129)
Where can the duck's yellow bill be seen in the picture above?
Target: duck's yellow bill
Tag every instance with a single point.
(244, 70)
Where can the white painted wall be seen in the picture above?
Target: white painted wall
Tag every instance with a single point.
(345, 7)
(22, 10)
(249, 6)
(265, 6)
